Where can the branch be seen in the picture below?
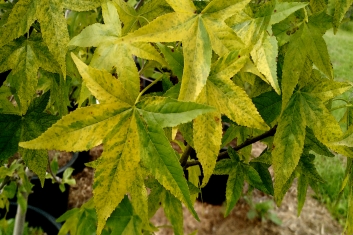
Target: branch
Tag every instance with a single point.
(184, 158)
(247, 142)
(139, 4)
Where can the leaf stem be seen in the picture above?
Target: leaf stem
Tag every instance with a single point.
(146, 88)
(247, 142)
(57, 179)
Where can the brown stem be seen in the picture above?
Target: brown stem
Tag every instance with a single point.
(247, 142)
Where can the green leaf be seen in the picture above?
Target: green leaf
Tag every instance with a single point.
(302, 189)
(288, 142)
(234, 188)
(123, 220)
(27, 127)
(174, 59)
(313, 144)
(174, 212)
(169, 112)
(81, 5)
(269, 106)
(10, 135)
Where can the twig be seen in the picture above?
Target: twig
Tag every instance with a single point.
(139, 4)
(247, 142)
(185, 156)
(147, 79)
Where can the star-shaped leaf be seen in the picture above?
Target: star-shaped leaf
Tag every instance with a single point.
(25, 57)
(23, 128)
(131, 134)
(200, 32)
(255, 29)
(50, 14)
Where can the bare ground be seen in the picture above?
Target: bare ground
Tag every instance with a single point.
(314, 219)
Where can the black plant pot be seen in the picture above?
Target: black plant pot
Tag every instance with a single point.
(50, 198)
(37, 218)
(215, 191)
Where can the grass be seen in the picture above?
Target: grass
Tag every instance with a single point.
(332, 170)
(340, 48)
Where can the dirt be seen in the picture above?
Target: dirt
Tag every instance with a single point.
(314, 219)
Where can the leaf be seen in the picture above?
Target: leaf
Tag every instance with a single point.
(19, 21)
(123, 220)
(174, 212)
(24, 58)
(302, 189)
(207, 129)
(231, 99)
(269, 106)
(174, 59)
(103, 85)
(115, 172)
(341, 7)
(197, 34)
(265, 57)
(27, 127)
(306, 42)
(313, 144)
(289, 143)
(234, 188)
(81, 5)
(6, 107)
(169, 112)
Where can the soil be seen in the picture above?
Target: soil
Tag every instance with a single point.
(314, 219)
(62, 157)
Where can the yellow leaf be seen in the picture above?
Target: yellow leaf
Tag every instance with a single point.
(182, 5)
(116, 169)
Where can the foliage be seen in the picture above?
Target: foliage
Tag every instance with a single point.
(261, 67)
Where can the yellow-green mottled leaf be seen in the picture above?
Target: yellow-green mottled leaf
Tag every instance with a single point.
(194, 173)
(81, 5)
(9, 54)
(288, 143)
(161, 160)
(96, 34)
(265, 55)
(341, 7)
(115, 170)
(102, 84)
(23, 77)
(146, 51)
(139, 197)
(223, 9)
(208, 132)
(182, 5)
(23, 14)
(319, 119)
(80, 130)
(283, 9)
(169, 112)
(170, 27)
(127, 15)
(223, 38)
(327, 89)
(232, 100)
(197, 61)
(118, 57)
(54, 29)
